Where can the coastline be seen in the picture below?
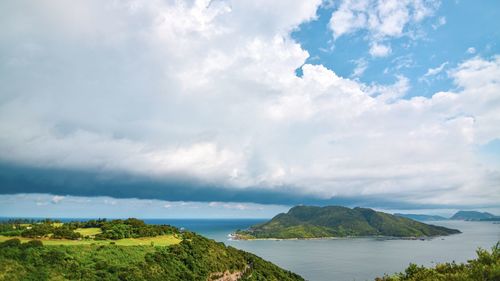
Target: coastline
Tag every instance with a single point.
(236, 237)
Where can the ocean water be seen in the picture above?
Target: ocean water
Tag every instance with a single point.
(355, 258)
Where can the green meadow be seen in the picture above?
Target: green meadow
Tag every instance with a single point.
(91, 231)
(162, 240)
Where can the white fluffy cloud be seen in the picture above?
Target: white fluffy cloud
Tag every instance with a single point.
(380, 50)
(204, 90)
(382, 19)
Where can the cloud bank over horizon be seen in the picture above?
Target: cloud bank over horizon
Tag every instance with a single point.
(201, 101)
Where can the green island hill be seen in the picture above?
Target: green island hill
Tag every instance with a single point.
(123, 250)
(308, 222)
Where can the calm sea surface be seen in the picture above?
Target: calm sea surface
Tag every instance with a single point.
(350, 259)
(353, 259)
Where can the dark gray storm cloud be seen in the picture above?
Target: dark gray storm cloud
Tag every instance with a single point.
(23, 179)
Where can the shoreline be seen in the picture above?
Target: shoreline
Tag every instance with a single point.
(234, 237)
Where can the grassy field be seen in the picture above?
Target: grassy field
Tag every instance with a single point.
(163, 240)
(88, 231)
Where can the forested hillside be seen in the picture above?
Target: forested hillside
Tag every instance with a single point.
(486, 267)
(193, 258)
(337, 221)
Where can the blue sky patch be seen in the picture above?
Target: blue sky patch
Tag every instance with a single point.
(456, 31)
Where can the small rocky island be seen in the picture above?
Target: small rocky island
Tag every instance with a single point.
(309, 222)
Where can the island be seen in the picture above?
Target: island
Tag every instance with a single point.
(474, 216)
(310, 222)
(123, 250)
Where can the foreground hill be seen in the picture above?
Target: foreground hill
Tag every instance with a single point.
(194, 257)
(486, 267)
(337, 221)
(420, 217)
(472, 216)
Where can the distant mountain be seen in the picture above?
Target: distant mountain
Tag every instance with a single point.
(473, 216)
(419, 217)
(337, 221)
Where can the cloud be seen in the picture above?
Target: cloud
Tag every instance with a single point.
(109, 202)
(390, 93)
(380, 19)
(435, 71)
(40, 202)
(440, 22)
(471, 50)
(236, 206)
(56, 199)
(21, 205)
(197, 101)
(379, 50)
(361, 66)
(476, 74)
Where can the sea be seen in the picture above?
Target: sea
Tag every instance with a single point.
(349, 259)
(353, 258)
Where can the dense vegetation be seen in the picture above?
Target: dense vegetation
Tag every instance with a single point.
(336, 221)
(486, 267)
(114, 229)
(15, 227)
(11, 228)
(194, 258)
(132, 228)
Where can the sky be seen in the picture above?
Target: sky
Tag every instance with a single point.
(244, 108)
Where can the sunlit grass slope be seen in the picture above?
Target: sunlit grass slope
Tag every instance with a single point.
(163, 240)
